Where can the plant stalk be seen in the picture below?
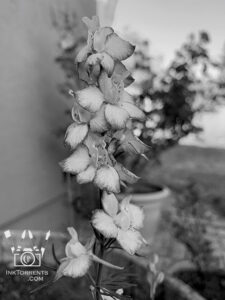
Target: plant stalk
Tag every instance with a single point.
(100, 255)
(99, 273)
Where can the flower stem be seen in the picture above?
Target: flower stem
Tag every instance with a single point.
(100, 255)
(99, 272)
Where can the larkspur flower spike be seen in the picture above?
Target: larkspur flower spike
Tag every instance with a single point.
(100, 130)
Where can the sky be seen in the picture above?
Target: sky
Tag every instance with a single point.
(167, 23)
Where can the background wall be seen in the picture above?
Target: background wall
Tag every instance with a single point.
(31, 111)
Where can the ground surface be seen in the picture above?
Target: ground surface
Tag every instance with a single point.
(185, 164)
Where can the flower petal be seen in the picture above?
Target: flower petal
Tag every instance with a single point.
(73, 233)
(85, 115)
(130, 240)
(77, 267)
(122, 220)
(83, 73)
(93, 142)
(87, 175)
(61, 268)
(79, 114)
(100, 36)
(75, 134)
(83, 54)
(135, 213)
(116, 116)
(108, 88)
(94, 59)
(128, 81)
(75, 114)
(126, 97)
(118, 48)
(107, 63)
(77, 162)
(88, 75)
(120, 73)
(133, 111)
(110, 204)
(125, 174)
(136, 216)
(90, 98)
(74, 249)
(92, 24)
(107, 178)
(125, 203)
(94, 73)
(104, 224)
(98, 123)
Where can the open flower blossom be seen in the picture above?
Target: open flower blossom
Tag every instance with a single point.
(78, 258)
(120, 221)
(91, 162)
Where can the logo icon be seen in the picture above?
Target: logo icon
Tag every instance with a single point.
(24, 256)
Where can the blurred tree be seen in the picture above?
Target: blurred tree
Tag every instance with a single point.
(173, 97)
(221, 78)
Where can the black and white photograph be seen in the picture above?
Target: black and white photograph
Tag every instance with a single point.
(112, 150)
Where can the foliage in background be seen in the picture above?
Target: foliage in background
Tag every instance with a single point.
(199, 230)
(171, 98)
